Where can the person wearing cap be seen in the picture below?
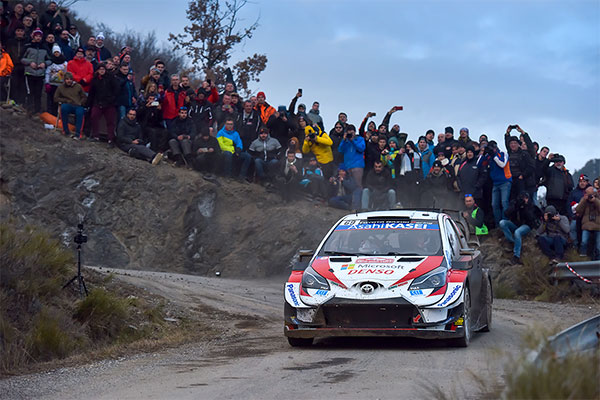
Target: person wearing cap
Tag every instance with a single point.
(319, 143)
(82, 69)
(101, 98)
(264, 109)
(559, 183)
(15, 47)
(521, 218)
(589, 209)
(36, 59)
(232, 147)
(55, 76)
(553, 233)
(474, 217)
(315, 118)
(574, 198)
(266, 151)
(182, 133)
(102, 53)
(72, 98)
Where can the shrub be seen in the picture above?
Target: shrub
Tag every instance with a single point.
(50, 336)
(104, 313)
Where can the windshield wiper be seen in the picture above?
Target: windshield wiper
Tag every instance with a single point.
(338, 253)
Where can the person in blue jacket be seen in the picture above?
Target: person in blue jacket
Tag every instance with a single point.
(353, 149)
(427, 157)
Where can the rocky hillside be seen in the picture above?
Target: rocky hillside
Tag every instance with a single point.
(143, 217)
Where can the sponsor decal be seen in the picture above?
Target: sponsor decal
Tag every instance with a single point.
(459, 322)
(371, 271)
(322, 292)
(379, 266)
(387, 225)
(375, 260)
(452, 293)
(416, 292)
(290, 289)
(347, 266)
(416, 318)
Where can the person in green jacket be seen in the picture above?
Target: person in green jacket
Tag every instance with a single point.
(474, 216)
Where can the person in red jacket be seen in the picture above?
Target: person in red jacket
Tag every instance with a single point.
(172, 101)
(82, 69)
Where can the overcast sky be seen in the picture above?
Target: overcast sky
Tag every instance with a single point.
(479, 64)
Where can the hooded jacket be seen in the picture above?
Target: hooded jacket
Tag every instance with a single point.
(172, 102)
(321, 148)
(590, 213)
(353, 151)
(73, 94)
(128, 131)
(229, 140)
(81, 69)
(266, 150)
(35, 53)
(103, 91)
(471, 178)
(314, 116)
(6, 64)
(499, 167)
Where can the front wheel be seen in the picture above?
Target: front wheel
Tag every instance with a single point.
(300, 342)
(465, 339)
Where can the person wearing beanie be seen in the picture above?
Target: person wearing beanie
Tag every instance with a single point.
(448, 141)
(264, 109)
(35, 59)
(55, 76)
(82, 69)
(553, 233)
(102, 53)
(72, 99)
(464, 136)
(559, 183)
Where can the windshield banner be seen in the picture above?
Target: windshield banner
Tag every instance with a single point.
(364, 225)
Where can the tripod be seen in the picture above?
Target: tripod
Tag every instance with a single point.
(79, 239)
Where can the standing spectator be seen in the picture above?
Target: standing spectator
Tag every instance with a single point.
(82, 69)
(314, 116)
(63, 41)
(129, 139)
(72, 99)
(6, 68)
(372, 150)
(344, 192)
(541, 165)
(470, 177)
(427, 158)
(164, 79)
(28, 24)
(441, 145)
(49, 42)
(181, 136)
(74, 38)
(553, 233)
(448, 141)
(522, 166)
(16, 19)
(499, 170)
(371, 128)
(91, 44)
(150, 118)
(559, 184)
(352, 147)
(247, 124)
(200, 109)
(101, 98)
(231, 146)
(378, 192)
(280, 126)
(438, 186)
(207, 151)
(475, 217)
(574, 199)
(53, 16)
(35, 60)
(407, 165)
(337, 134)
(463, 136)
(224, 111)
(55, 76)
(265, 150)
(589, 209)
(15, 48)
(126, 97)
(172, 101)
(521, 218)
(319, 143)
(264, 109)
(102, 53)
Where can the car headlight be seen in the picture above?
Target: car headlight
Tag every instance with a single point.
(312, 280)
(432, 280)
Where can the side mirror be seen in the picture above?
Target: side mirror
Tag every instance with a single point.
(305, 255)
(467, 252)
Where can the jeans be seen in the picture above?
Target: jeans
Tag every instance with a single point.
(514, 234)
(121, 112)
(585, 238)
(244, 157)
(573, 231)
(261, 165)
(390, 196)
(552, 246)
(346, 202)
(68, 109)
(500, 197)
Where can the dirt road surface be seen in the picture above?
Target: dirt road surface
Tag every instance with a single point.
(252, 359)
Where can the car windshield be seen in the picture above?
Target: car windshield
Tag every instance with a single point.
(357, 237)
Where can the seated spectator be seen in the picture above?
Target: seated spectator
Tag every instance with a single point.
(313, 180)
(438, 186)
(559, 183)
(72, 99)
(521, 218)
(553, 233)
(82, 69)
(207, 151)
(352, 147)
(150, 118)
(247, 124)
(378, 192)
(318, 142)
(129, 139)
(291, 174)
(35, 59)
(294, 147)
(475, 217)
(344, 192)
(232, 147)
(264, 109)
(101, 98)
(589, 209)
(265, 151)
(55, 76)
(181, 136)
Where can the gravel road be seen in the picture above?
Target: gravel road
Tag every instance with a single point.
(252, 360)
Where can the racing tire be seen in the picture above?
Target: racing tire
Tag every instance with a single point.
(488, 308)
(300, 342)
(465, 339)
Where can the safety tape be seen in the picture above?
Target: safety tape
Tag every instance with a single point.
(577, 275)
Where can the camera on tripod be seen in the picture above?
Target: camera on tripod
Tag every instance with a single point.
(80, 238)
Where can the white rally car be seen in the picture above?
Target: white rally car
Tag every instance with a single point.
(390, 273)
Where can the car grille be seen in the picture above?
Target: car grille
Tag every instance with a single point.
(369, 315)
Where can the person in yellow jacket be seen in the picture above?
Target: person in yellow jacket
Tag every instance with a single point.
(6, 67)
(319, 143)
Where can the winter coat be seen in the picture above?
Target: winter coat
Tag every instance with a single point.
(103, 91)
(182, 127)
(379, 182)
(265, 111)
(523, 214)
(73, 94)
(353, 151)
(128, 131)
(321, 148)
(558, 182)
(6, 64)
(126, 90)
(210, 143)
(102, 54)
(16, 48)
(521, 163)
(590, 214)
(266, 150)
(65, 49)
(247, 125)
(229, 140)
(499, 167)
(35, 53)
(555, 228)
(427, 159)
(55, 74)
(82, 70)
(316, 118)
(149, 117)
(280, 128)
(471, 178)
(201, 113)
(345, 188)
(372, 154)
(172, 102)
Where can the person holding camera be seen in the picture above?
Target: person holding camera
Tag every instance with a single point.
(206, 151)
(344, 192)
(558, 182)
(589, 209)
(521, 217)
(522, 165)
(553, 233)
(352, 147)
(319, 143)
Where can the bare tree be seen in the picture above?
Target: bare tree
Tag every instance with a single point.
(211, 37)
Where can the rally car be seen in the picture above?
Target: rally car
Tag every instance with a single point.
(390, 273)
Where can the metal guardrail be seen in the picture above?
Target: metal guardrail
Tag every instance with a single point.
(587, 271)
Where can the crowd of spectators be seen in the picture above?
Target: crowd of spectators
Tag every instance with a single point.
(525, 188)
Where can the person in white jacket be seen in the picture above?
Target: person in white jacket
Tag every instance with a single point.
(55, 76)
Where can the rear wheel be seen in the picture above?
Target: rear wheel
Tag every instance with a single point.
(488, 308)
(465, 339)
(300, 342)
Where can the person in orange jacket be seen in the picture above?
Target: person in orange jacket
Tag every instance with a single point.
(6, 67)
(263, 108)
